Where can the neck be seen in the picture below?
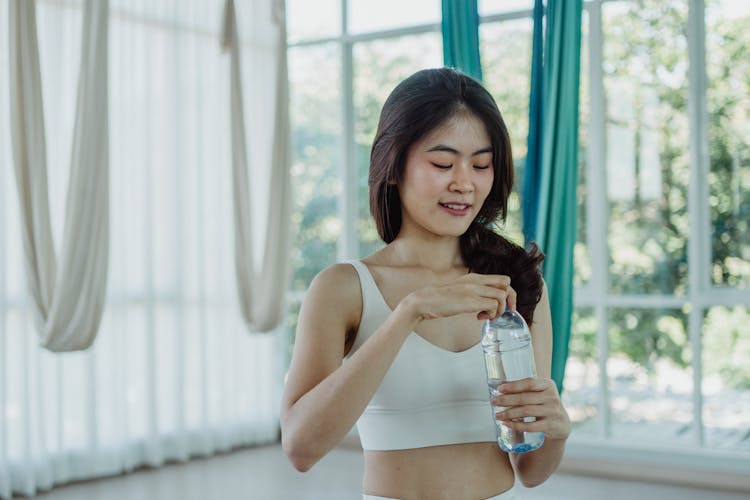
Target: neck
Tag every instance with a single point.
(438, 254)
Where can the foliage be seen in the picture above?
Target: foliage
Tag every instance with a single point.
(728, 48)
(646, 83)
(726, 345)
(583, 338)
(316, 156)
(646, 336)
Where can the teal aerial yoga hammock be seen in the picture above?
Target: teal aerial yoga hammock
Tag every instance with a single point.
(551, 176)
(461, 36)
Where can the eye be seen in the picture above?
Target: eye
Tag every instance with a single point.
(438, 165)
(481, 167)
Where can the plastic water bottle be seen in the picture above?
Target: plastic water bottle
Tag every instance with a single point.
(508, 356)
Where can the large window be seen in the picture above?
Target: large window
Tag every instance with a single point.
(660, 344)
(661, 332)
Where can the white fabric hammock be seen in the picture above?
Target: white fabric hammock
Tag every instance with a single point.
(69, 295)
(261, 292)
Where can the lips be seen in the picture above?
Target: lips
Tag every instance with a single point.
(455, 208)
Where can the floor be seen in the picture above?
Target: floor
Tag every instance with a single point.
(264, 474)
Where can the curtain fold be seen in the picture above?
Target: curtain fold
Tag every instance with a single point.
(261, 291)
(532, 164)
(68, 298)
(556, 215)
(460, 26)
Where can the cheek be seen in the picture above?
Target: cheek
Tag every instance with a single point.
(486, 185)
(426, 179)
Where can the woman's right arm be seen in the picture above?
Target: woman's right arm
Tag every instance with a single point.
(323, 398)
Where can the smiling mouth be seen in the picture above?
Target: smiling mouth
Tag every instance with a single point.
(456, 209)
(455, 206)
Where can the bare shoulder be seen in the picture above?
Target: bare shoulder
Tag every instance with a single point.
(339, 285)
(339, 274)
(333, 303)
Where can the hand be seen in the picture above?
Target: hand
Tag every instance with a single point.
(486, 295)
(533, 397)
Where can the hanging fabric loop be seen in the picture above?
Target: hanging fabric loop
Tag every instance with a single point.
(261, 292)
(67, 296)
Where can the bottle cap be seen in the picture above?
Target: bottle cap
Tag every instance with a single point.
(508, 320)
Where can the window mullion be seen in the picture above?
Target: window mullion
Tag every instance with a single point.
(699, 250)
(348, 206)
(596, 200)
(5, 302)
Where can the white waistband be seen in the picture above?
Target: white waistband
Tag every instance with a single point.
(381, 430)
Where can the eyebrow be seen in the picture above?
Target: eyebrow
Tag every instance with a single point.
(443, 147)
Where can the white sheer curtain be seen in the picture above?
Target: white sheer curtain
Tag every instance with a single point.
(173, 372)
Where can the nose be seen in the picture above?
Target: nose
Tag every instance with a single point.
(462, 181)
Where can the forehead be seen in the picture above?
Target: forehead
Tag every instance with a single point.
(462, 128)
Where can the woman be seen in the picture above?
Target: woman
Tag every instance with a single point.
(391, 342)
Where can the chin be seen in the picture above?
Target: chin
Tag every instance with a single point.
(451, 232)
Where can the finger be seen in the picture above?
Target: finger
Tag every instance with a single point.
(491, 307)
(530, 384)
(535, 393)
(485, 308)
(499, 295)
(551, 427)
(520, 425)
(498, 286)
(512, 299)
(493, 280)
(537, 411)
(526, 398)
(482, 316)
(452, 300)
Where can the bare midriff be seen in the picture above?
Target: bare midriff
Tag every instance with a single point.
(472, 470)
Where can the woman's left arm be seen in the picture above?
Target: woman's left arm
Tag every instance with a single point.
(537, 397)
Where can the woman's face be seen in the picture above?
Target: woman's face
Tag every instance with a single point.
(447, 176)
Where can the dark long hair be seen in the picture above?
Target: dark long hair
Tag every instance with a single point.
(419, 105)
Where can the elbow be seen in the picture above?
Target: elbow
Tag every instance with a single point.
(529, 476)
(300, 462)
(532, 478)
(300, 458)
(530, 482)
(294, 444)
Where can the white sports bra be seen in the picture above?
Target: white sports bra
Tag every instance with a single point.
(430, 396)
